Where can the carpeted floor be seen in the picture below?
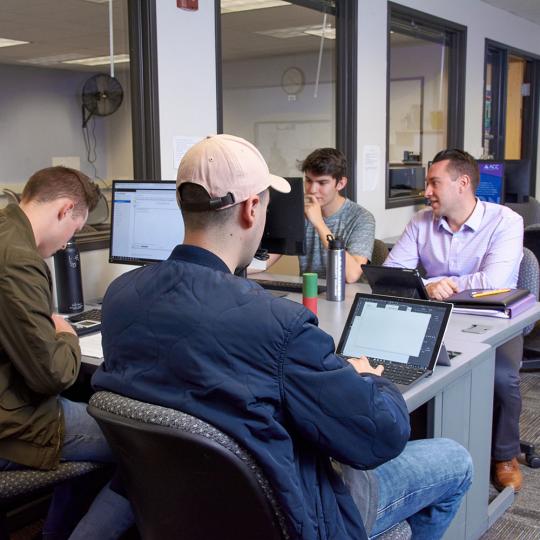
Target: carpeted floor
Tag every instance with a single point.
(522, 520)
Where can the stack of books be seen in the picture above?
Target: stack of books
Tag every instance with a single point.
(502, 303)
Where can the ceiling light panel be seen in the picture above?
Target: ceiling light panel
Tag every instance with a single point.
(232, 6)
(300, 31)
(99, 60)
(329, 32)
(5, 42)
(50, 60)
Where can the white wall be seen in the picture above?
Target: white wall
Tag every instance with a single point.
(118, 133)
(419, 60)
(186, 76)
(483, 21)
(40, 117)
(187, 99)
(187, 86)
(285, 130)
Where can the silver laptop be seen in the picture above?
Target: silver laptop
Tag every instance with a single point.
(403, 334)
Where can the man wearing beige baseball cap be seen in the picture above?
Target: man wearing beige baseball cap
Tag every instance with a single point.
(189, 334)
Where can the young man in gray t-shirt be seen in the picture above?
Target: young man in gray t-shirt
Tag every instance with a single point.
(329, 212)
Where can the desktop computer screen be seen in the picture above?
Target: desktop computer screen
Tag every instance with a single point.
(284, 229)
(407, 180)
(491, 185)
(146, 223)
(517, 173)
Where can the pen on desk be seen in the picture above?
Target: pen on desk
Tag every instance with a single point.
(489, 293)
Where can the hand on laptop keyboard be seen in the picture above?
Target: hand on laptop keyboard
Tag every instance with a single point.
(362, 365)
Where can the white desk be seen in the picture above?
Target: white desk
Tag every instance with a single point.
(459, 397)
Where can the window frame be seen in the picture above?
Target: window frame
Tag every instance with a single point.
(529, 136)
(142, 33)
(457, 44)
(346, 14)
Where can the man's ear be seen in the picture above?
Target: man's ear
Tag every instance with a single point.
(341, 183)
(464, 182)
(250, 207)
(65, 208)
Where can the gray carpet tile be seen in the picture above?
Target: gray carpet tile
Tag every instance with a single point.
(522, 520)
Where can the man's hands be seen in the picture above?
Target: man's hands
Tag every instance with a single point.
(362, 365)
(312, 210)
(62, 325)
(442, 289)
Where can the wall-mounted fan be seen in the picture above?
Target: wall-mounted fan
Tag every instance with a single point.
(102, 94)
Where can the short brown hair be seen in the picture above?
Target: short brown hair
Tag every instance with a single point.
(326, 161)
(56, 182)
(460, 163)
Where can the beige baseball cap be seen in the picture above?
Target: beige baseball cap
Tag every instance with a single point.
(229, 168)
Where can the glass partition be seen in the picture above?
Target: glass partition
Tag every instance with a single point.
(421, 108)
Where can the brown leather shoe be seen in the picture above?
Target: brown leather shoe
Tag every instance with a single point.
(506, 474)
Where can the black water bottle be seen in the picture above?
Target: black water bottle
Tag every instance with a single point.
(67, 267)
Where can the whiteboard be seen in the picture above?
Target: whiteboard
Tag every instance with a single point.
(285, 145)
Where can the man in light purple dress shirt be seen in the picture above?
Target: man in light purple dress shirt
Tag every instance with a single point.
(464, 243)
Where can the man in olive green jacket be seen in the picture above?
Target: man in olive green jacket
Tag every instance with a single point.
(39, 351)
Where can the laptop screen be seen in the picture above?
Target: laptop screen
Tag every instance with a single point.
(394, 281)
(401, 330)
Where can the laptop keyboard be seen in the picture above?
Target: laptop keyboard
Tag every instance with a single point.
(397, 373)
(86, 322)
(286, 286)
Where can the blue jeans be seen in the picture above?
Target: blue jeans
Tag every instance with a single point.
(424, 485)
(110, 514)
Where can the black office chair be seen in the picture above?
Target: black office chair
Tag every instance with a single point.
(187, 479)
(18, 487)
(529, 278)
(378, 256)
(529, 211)
(380, 252)
(531, 349)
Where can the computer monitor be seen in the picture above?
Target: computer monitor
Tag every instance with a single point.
(517, 173)
(284, 229)
(491, 185)
(146, 223)
(407, 180)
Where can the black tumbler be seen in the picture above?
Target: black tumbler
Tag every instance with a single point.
(67, 267)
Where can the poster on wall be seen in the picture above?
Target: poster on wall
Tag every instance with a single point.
(491, 186)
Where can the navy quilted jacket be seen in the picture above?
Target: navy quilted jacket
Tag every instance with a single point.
(189, 335)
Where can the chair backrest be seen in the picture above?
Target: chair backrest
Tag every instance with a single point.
(531, 239)
(529, 211)
(529, 277)
(380, 252)
(184, 477)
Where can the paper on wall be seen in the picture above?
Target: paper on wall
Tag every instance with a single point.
(371, 167)
(181, 144)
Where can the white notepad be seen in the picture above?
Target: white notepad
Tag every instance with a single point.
(91, 345)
